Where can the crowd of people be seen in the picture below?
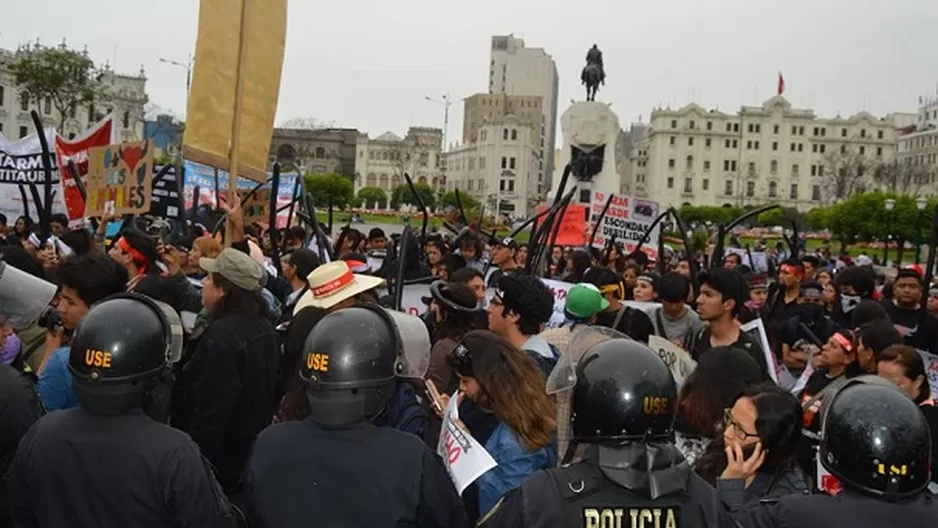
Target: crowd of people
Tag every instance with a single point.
(298, 394)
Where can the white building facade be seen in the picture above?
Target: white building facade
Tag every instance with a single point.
(500, 169)
(518, 70)
(124, 96)
(918, 148)
(382, 162)
(767, 154)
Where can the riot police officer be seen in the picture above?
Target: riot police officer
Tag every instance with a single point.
(106, 463)
(632, 474)
(336, 468)
(876, 443)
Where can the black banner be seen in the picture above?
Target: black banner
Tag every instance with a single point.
(165, 202)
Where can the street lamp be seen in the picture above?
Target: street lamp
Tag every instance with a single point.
(890, 205)
(920, 203)
(445, 101)
(187, 67)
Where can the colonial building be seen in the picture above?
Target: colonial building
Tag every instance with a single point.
(383, 161)
(315, 150)
(501, 168)
(762, 154)
(918, 150)
(124, 96)
(518, 70)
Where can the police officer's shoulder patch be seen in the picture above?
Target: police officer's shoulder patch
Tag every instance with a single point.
(638, 517)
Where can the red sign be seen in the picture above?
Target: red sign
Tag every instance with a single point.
(76, 150)
(572, 230)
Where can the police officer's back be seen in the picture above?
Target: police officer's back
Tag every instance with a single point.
(632, 475)
(107, 463)
(875, 441)
(336, 468)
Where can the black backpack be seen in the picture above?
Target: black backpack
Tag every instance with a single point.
(405, 412)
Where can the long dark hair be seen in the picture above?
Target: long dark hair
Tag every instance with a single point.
(238, 301)
(778, 424)
(722, 374)
(455, 324)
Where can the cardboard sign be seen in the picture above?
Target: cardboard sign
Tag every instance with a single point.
(257, 206)
(121, 173)
(572, 228)
(164, 202)
(756, 329)
(627, 220)
(676, 358)
(463, 456)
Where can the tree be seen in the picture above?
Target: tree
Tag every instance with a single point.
(902, 177)
(706, 213)
(64, 77)
(817, 219)
(844, 174)
(372, 196)
(324, 186)
(468, 202)
(781, 216)
(307, 123)
(402, 195)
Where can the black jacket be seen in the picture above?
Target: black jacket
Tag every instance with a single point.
(765, 490)
(225, 393)
(74, 469)
(20, 407)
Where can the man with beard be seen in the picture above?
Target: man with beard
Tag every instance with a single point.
(806, 331)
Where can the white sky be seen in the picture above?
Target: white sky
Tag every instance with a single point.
(368, 64)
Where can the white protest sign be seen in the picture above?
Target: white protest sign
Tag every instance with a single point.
(756, 329)
(22, 177)
(758, 262)
(931, 370)
(627, 220)
(464, 458)
(678, 360)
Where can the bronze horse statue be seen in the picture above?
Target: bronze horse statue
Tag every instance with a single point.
(592, 77)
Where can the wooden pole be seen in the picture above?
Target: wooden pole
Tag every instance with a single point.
(236, 121)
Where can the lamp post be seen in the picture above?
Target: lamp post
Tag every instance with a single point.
(187, 67)
(445, 101)
(920, 203)
(890, 205)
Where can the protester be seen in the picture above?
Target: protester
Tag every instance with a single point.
(854, 284)
(619, 316)
(646, 288)
(504, 381)
(805, 333)
(872, 339)
(904, 310)
(436, 257)
(377, 240)
(674, 320)
(456, 311)
(504, 255)
(518, 311)
(295, 267)
(472, 278)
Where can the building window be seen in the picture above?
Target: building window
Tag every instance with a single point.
(733, 165)
(514, 134)
(511, 163)
(126, 120)
(728, 187)
(814, 148)
(757, 145)
(726, 165)
(728, 142)
(862, 151)
(674, 123)
(816, 132)
(47, 106)
(709, 124)
(758, 129)
(3, 91)
(879, 134)
(750, 189)
(793, 147)
(671, 163)
(752, 167)
(775, 145)
(24, 103)
(706, 165)
(773, 166)
(843, 149)
(820, 170)
(751, 128)
(729, 127)
(800, 146)
(823, 149)
(693, 124)
(813, 170)
(879, 151)
(470, 185)
(775, 129)
(793, 193)
(816, 193)
(843, 133)
(773, 189)
(823, 132)
(504, 162)
(320, 152)
(673, 140)
(749, 145)
(800, 131)
(862, 132)
(795, 170)
(670, 183)
(707, 142)
(794, 130)
(23, 132)
(690, 162)
(690, 142)
(706, 185)
(735, 143)
(481, 162)
(504, 133)
(735, 127)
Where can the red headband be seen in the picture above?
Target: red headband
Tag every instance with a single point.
(334, 285)
(794, 270)
(843, 341)
(137, 256)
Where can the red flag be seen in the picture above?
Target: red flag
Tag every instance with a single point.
(97, 135)
(781, 84)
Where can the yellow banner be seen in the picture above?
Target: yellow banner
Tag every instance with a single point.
(211, 106)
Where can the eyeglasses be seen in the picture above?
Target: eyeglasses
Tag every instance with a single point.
(729, 421)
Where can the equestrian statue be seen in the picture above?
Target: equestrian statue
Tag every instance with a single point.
(593, 73)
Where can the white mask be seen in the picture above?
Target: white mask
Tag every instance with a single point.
(849, 302)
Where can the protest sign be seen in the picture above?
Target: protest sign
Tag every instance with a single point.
(931, 370)
(626, 220)
(756, 329)
(22, 178)
(256, 207)
(203, 177)
(76, 150)
(676, 358)
(759, 261)
(464, 457)
(165, 200)
(572, 225)
(122, 174)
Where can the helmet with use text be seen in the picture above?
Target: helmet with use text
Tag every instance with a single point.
(875, 439)
(122, 353)
(352, 357)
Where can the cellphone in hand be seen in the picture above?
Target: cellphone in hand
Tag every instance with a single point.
(434, 395)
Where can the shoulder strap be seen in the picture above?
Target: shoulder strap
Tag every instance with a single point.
(659, 323)
(619, 314)
(834, 385)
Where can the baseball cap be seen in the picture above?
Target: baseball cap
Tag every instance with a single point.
(811, 289)
(507, 242)
(584, 301)
(236, 266)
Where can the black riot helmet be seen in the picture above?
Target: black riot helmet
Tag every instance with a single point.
(623, 392)
(122, 351)
(875, 440)
(352, 358)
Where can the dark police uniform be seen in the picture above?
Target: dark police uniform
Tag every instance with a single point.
(303, 474)
(581, 495)
(76, 469)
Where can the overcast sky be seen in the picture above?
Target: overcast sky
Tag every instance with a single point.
(368, 64)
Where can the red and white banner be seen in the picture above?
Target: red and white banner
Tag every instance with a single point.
(76, 150)
(23, 177)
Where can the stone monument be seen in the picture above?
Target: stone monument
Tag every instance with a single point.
(590, 131)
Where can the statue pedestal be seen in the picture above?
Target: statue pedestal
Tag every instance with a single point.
(590, 131)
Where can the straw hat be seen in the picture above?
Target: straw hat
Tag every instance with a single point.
(333, 283)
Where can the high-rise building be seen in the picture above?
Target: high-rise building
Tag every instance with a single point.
(517, 70)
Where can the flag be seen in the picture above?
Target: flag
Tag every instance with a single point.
(781, 84)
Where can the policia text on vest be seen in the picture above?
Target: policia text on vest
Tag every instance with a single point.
(631, 517)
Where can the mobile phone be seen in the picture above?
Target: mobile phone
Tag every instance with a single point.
(434, 396)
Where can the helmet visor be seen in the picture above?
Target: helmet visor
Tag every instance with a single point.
(413, 356)
(23, 297)
(563, 377)
(175, 339)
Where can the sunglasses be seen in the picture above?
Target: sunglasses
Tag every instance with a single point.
(729, 421)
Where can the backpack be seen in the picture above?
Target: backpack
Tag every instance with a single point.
(405, 412)
(544, 364)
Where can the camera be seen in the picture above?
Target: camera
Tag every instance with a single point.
(50, 319)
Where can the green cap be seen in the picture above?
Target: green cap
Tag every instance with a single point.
(584, 301)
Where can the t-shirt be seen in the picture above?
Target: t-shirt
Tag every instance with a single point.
(55, 382)
(701, 344)
(678, 329)
(906, 323)
(634, 323)
(791, 330)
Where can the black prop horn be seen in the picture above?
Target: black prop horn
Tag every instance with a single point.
(423, 207)
(688, 251)
(45, 209)
(717, 259)
(272, 219)
(544, 229)
(929, 271)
